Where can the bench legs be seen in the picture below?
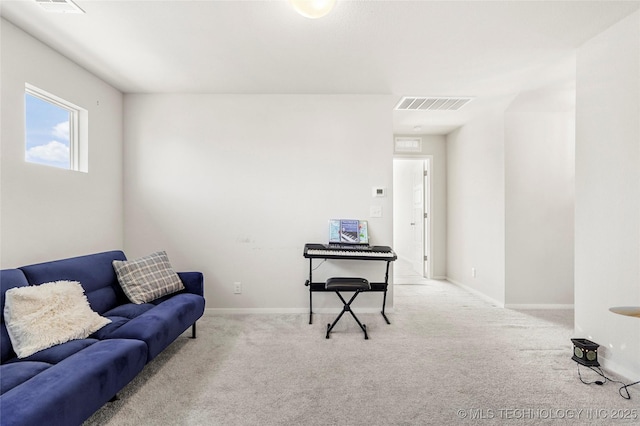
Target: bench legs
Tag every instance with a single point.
(347, 308)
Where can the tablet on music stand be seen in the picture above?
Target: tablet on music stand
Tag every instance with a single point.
(348, 231)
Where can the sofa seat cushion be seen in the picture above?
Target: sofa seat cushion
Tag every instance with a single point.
(160, 326)
(14, 374)
(107, 331)
(57, 353)
(69, 392)
(119, 316)
(129, 310)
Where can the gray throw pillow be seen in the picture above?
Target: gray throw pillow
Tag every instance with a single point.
(147, 278)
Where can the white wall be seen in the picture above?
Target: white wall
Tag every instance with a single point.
(607, 215)
(49, 213)
(234, 186)
(476, 205)
(435, 146)
(539, 197)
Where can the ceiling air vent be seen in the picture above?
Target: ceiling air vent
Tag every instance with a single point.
(412, 103)
(59, 6)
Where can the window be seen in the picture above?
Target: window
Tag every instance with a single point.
(53, 135)
(408, 144)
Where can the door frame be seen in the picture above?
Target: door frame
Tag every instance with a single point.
(427, 206)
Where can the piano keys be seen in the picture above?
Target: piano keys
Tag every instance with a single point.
(325, 251)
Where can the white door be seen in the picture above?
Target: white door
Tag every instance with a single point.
(411, 215)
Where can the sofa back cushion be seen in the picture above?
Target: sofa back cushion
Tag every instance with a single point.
(9, 278)
(94, 272)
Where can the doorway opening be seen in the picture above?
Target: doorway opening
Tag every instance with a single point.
(412, 219)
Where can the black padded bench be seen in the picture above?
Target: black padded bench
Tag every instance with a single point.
(357, 285)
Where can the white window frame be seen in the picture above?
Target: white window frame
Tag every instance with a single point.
(78, 127)
(407, 144)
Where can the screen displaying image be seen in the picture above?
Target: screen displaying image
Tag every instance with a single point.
(350, 231)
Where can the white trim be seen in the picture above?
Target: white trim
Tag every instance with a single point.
(627, 375)
(78, 127)
(525, 306)
(429, 164)
(215, 311)
(50, 97)
(477, 293)
(515, 306)
(398, 140)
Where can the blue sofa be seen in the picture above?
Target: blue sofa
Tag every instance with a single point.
(67, 383)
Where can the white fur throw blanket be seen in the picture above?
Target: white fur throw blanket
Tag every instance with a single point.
(41, 316)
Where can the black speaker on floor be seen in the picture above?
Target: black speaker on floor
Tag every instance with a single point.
(585, 352)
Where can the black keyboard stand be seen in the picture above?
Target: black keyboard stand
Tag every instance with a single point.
(388, 257)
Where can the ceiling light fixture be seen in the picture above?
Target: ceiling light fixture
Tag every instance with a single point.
(60, 6)
(313, 9)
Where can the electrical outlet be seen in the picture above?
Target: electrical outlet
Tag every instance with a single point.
(237, 287)
(473, 272)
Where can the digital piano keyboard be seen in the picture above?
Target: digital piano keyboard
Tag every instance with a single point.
(322, 251)
(325, 251)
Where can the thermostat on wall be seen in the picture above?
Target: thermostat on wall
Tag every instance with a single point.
(379, 191)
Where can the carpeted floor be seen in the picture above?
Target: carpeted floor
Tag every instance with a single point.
(448, 358)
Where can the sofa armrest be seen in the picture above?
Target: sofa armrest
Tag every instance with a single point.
(193, 282)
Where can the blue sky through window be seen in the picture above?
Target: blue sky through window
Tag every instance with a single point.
(47, 133)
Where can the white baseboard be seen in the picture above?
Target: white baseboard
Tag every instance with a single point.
(522, 306)
(257, 310)
(335, 310)
(525, 306)
(477, 293)
(628, 375)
